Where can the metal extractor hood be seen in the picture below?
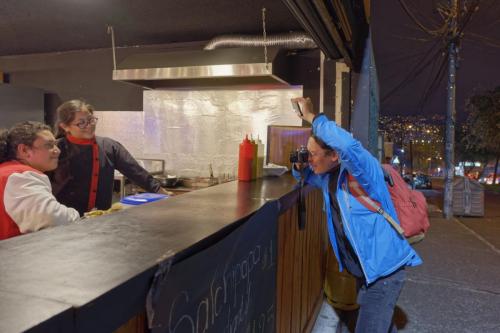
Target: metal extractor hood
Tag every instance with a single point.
(205, 68)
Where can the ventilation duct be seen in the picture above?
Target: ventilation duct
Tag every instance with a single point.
(295, 40)
(223, 67)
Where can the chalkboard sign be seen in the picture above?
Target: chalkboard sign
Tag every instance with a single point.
(229, 287)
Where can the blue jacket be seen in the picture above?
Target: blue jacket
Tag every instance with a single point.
(378, 246)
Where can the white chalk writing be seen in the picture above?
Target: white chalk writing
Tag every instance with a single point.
(227, 296)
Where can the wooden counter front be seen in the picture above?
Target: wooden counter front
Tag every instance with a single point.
(301, 266)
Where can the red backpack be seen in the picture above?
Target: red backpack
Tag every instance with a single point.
(410, 205)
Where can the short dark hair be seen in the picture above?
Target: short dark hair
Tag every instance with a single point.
(322, 143)
(21, 133)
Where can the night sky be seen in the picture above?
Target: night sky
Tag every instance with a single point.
(399, 47)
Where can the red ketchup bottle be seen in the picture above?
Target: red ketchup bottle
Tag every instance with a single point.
(245, 160)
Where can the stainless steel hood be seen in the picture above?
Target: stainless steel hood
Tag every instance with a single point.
(205, 68)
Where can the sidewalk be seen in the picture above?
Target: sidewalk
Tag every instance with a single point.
(457, 289)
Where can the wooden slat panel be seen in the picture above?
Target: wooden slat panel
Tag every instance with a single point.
(297, 272)
(301, 267)
(136, 324)
(284, 286)
(306, 273)
(281, 140)
(280, 303)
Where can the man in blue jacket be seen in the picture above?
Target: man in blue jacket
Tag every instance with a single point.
(363, 241)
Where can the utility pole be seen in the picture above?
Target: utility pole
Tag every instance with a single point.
(449, 170)
(456, 16)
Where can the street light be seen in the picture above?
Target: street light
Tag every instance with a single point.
(411, 158)
(410, 134)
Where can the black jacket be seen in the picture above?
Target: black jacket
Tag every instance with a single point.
(72, 180)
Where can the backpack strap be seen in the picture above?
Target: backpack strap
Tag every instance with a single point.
(372, 205)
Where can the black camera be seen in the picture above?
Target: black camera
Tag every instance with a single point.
(301, 155)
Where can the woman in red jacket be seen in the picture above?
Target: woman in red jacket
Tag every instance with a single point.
(28, 150)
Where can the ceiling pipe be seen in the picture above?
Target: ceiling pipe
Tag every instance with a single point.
(294, 40)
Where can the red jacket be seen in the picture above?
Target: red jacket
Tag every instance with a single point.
(27, 203)
(8, 228)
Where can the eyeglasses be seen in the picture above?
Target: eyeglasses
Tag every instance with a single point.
(317, 154)
(82, 123)
(321, 153)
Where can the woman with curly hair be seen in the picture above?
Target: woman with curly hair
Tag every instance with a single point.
(27, 204)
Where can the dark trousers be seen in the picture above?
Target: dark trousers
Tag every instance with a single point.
(376, 306)
(377, 302)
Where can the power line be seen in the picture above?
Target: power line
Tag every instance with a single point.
(486, 40)
(401, 58)
(438, 78)
(440, 34)
(455, 20)
(436, 32)
(416, 70)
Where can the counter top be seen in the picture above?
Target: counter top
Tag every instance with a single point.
(109, 260)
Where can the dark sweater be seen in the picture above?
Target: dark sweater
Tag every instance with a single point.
(75, 177)
(347, 255)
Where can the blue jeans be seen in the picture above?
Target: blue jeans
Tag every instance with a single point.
(377, 302)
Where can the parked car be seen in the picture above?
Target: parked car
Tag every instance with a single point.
(409, 180)
(489, 179)
(419, 181)
(422, 181)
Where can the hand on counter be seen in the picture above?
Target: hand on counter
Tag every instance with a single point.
(97, 212)
(163, 191)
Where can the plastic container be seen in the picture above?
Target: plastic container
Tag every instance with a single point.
(274, 170)
(254, 158)
(141, 198)
(245, 160)
(340, 287)
(260, 158)
(468, 197)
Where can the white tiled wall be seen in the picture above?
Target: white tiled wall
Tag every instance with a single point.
(192, 129)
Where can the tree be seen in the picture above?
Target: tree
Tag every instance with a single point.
(466, 153)
(482, 130)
